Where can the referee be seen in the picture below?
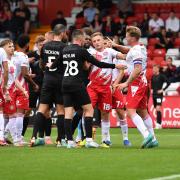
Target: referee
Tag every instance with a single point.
(157, 82)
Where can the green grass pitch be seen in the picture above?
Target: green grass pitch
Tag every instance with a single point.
(51, 163)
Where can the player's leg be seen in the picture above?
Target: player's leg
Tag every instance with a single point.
(124, 126)
(2, 121)
(157, 104)
(149, 124)
(48, 124)
(105, 106)
(61, 125)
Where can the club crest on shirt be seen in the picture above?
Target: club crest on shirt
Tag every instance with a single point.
(134, 90)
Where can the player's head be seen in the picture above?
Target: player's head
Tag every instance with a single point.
(8, 46)
(98, 41)
(156, 69)
(40, 41)
(79, 37)
(88, 32)
(49, 36)
(133, 35)
(60, 32)
(23, 42)
(107, 43)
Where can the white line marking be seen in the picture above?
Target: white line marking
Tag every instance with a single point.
(166, 177)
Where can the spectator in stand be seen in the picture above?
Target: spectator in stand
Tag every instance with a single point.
(90, 12)
(5, 21)
(170, 69)
(108, 27)
(145, 25)
(120, 28)
(21, 19)
(165, 40)
(59, 20)
(125, 8)
(155, 24)
(97, 23)
(172, 23)
(176, 77)
(104, 6)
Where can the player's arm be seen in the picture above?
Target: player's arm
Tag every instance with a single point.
(135, 73)
(119, 77)
(165, 80)
(91, 59)
(28, 78)
(5, 75)
(121, 48)
(19, 86)
(121, 56)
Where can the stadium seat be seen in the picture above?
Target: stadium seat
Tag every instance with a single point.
(149, 53)
(144, 41)
(153, 9)
(172, 89)
(139, 8)
(79, 22)
(158, 60)
(153, 41)
(149, 74)
(164, 16)
(131, 20)
(177, 43)
(176, 63)
(140, 17)
(174, 53)
(159, 53)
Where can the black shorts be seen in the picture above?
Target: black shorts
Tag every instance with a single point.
(157, 100)
(76, 98)
(33, 99)
(51, 90)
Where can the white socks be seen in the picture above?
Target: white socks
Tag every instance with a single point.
(11, 127)
(1, 126)
(124, 128)
(19, 127)
(137, 120)
(148, 123)
(105, 130)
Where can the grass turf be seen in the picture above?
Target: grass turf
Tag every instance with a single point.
(51, 163)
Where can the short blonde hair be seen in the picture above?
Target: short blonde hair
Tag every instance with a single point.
(134, 31)
(97, 34)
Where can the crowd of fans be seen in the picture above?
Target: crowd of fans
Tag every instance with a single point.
(99, 15)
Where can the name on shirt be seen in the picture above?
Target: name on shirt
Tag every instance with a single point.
(68, 55)
(51, 52)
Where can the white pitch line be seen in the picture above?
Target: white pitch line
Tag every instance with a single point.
(166, 177)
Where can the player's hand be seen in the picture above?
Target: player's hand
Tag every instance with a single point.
(113, 44)
(32, 75)
(36, 88)
(26, 94)
(31, 60)
(123, 85)
(49, 64)
(7, 97)
(114, 86)
(160, 91)
(121, 66)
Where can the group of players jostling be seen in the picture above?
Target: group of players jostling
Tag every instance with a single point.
(76, 78)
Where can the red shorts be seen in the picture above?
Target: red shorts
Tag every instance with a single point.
(117, 99)
(1, 98)
(10, 107)
(137, 96)
(101, 95)
(21, 101)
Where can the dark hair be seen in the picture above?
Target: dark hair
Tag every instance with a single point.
(23, 40)
(58, 29)
(77, 33)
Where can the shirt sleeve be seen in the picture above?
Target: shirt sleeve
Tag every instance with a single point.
(136, 56)
(3, 56)
(165, 81)
(88, 57)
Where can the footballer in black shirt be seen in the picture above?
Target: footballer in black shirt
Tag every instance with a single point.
(73, 87)
(51, 88)
(157, 82)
